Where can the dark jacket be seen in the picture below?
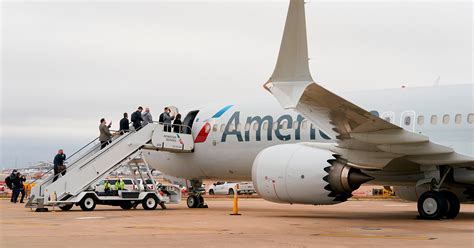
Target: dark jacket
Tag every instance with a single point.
(59, 159)
(124, 125)
(177, 126)
(165, 118)
(18, 182)
(137, 119)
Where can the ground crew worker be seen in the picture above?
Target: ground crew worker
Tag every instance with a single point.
(119, 184)
(28, 187)
(106, 186)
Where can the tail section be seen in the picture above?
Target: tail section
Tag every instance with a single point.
(291, 74)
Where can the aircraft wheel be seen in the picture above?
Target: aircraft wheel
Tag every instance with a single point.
(432, 205)
(150, 202)
(193, 201)
(453, 205)
(231, 191)
(211, 192)
(88, 203)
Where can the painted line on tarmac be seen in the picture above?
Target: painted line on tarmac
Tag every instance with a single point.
(89, 218)
(349, 235)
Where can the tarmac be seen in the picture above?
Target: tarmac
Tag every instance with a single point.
(356, 223)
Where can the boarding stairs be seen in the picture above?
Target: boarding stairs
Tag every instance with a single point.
(90, 164)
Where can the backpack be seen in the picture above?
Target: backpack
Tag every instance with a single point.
(8, 181)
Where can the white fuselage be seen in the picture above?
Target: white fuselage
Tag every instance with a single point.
(236, 134)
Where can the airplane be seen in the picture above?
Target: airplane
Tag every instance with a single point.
(308, 145)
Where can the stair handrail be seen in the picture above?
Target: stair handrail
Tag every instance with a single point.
(182, 126)
(114, 137)
(76, 152)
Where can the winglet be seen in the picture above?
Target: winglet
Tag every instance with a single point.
(291, 74)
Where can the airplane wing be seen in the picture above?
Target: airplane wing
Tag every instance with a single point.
(364, 140)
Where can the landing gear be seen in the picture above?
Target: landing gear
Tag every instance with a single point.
(431, 205)
(436, 205)
(195, 199)
(453, 205)
(192, 201)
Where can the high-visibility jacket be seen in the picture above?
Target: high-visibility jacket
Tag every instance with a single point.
(119, 185)
(106, 185)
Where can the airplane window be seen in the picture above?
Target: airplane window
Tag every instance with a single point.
(458, 119)
(445, 119)
(421, 120)
(375, 113)
(215, 127)
(247, 127)
(304, 124)
(407, 120)
(434, 119)
(470, 118)
(222, 127)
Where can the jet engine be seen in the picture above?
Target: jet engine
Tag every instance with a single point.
(295, 173)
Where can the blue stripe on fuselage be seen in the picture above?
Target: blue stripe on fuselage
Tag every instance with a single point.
(222, 111)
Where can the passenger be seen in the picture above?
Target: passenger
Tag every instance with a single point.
(177, 128)
(119, 184)
(105, 135)
(19, 187)
(146, 116)
(137, 118)
(124, 124)
(166, 119)
(59, 167)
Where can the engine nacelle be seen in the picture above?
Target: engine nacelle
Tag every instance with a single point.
(296, 173)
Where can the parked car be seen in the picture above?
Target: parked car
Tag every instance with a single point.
(129, 184)
(227, 188)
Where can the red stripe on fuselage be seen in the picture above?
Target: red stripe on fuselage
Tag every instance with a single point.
(202, 136)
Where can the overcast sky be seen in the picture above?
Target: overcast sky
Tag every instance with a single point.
(67, 64)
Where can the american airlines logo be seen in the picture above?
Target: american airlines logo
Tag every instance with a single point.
(283, 128)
